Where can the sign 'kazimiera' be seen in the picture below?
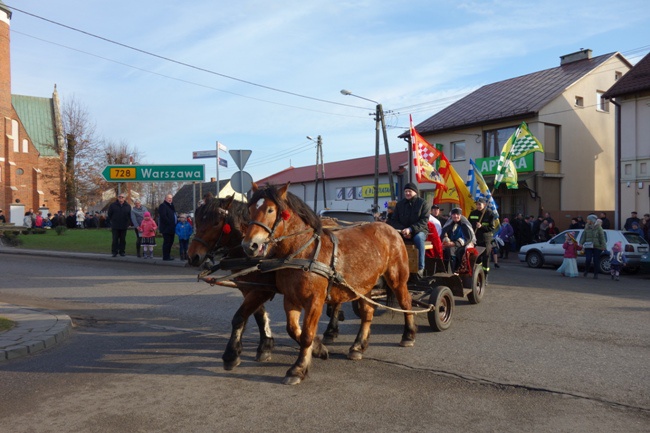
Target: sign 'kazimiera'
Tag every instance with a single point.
(154, 173)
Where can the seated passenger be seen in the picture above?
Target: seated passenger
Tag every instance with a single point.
(457, 235)
(410, 217)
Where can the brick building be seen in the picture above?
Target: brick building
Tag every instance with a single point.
(31, 144)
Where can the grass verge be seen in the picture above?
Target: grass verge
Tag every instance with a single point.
(5, 324)
(82, 241)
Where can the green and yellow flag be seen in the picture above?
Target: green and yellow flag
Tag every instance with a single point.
(521, 143)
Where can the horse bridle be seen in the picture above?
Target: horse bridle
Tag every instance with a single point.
(212, 252)
(271, 231)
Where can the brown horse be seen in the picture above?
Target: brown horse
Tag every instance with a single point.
(360, 257)
(218, 225)
(210, 238)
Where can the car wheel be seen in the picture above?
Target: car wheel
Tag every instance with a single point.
(535, 259)
(604, 266)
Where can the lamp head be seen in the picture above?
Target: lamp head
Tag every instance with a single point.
(345, 92)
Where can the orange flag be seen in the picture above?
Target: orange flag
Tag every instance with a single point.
(424, 156)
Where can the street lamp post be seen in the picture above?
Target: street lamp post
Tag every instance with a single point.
(379, 119)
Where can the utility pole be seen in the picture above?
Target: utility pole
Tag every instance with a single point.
(320, 164)
(379, 119)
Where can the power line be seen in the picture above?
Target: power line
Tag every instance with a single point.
(180, 79)
(168, 59)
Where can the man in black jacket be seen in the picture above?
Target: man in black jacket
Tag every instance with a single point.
(119, 214)
(411, 217)
(167, 225)
(482, 221)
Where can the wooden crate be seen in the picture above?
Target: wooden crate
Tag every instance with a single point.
(413, 258)
(413, 255)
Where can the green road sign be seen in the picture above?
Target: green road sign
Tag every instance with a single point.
(154, 173)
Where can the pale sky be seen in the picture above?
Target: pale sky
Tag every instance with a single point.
(415, 57)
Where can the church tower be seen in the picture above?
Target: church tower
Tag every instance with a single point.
(5, 63)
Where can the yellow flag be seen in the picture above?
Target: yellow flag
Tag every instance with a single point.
(456, 192)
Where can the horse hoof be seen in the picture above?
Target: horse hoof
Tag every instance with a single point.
(291, 380)
(355, 355)
(407, 343)
(263, 357)
(230, 365)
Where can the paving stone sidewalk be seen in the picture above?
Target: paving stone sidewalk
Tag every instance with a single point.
(35, 330)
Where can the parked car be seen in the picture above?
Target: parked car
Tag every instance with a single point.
(347, 216)
(552, 253)
(645, 263)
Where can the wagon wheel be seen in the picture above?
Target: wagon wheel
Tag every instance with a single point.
(478, 286)
(443, 300)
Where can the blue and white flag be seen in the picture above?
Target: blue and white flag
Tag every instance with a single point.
(479, 189)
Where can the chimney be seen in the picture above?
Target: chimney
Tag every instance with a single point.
(574, 57)
(213, 179)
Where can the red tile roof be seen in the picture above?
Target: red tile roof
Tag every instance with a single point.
(636, 80)
(338, 170)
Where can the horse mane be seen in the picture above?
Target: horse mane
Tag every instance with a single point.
(292, 202)
(237, 215)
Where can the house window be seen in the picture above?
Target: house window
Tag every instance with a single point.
(643, 168)
(494, 140)
(602, 104)
(628, 169)
(25, 146)
(458, 150)
(580, 101)
(551, 142)
(617, 75)
(20, 171)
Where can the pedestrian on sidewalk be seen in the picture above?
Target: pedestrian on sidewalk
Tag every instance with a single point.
(137, 215)
(593, 243)
(617, 260)
(569, 267)
(167, 225)
(147, 229)
(183, 231)
(119, 214)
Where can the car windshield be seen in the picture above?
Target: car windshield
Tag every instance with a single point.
(634, 238)
(559, 239)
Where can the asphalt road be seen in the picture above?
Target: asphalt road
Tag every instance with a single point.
(540, 353)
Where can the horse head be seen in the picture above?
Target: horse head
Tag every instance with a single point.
(219, 224)
(275, 213)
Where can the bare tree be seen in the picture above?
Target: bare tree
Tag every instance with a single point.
(81, 151)
(121, 154)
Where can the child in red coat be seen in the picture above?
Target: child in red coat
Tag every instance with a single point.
(148, 229)
(571, 247)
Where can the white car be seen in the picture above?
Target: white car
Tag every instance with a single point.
(552, 253)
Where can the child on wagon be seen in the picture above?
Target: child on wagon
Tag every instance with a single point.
(571, 247)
